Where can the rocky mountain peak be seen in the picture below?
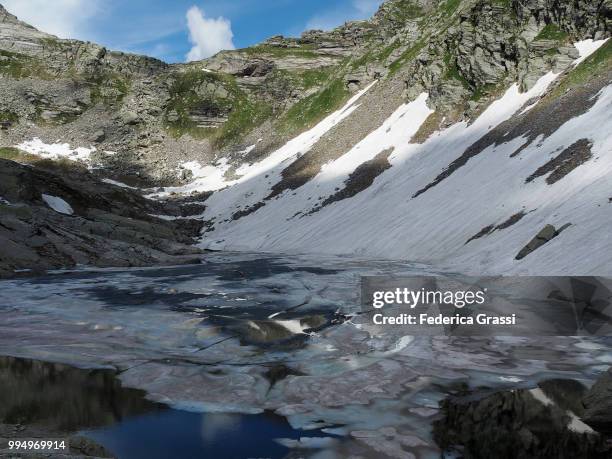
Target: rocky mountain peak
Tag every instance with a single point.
(6, 17)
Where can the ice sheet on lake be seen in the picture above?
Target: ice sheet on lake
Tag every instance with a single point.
(201, 337)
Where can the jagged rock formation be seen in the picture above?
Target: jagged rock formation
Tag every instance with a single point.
(156, 115)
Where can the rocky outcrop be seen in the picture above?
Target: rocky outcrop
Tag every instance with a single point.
(58, 218)
(546, 234)
(158, 115)
(539, 422)
(569, 159)
(597, 404)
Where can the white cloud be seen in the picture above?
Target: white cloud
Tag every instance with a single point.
(359, 9)
(64, 18)
(208, 36)
(366, 7)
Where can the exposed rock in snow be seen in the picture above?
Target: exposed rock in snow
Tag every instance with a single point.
(546, 234)
(382, 220)
(58, 204)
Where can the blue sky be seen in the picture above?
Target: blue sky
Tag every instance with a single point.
(165, 30)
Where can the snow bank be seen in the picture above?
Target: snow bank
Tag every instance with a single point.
(58, 204)
(55, 150)
(586, 48)
(119, 184)
(385, 221)
(212, 178)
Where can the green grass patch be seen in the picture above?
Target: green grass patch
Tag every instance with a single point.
(552, 32)
(504, 3)
(17, 65)
(388, 50)
(285, 79)
(376, 55)
(314, 77)
(453, 71)
(9, 116)
(407, 56)
(281, 51)
(108, 88)
(405, 10)
(245, 115)
(184, 98)
(363, 60)
(15, 154)
(60, 165)
(310, 110)
(9, 153)
(483, 91)
(187, 96)
(450, 6)
(598, 62)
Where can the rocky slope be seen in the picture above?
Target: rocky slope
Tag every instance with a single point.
(470, 134)
(547, 421)
(53, 216)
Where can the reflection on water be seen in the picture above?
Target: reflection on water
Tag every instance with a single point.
(64, 399)
(180, 434)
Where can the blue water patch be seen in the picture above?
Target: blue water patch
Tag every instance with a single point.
(181, 434)
(61, 400)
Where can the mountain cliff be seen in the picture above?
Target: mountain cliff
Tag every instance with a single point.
(471, 134)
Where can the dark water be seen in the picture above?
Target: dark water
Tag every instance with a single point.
(180, 434)
(62, 399)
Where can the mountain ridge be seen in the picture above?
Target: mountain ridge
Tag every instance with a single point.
(298, 144)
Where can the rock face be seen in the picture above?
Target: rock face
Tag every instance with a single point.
(546, 234)
(106, 225)
(540, 422)
(598, 404)
(158, 115)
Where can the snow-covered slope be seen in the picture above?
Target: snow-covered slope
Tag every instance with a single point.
(475, 217)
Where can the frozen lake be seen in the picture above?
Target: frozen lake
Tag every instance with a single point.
(247, 334)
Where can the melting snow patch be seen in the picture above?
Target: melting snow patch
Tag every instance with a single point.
(206, 178)
(120, 184)
(247, 150)
(58, 204)
(294, 326)
(586, 48)
(307, 442)
(512, 379)
(56, 150)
